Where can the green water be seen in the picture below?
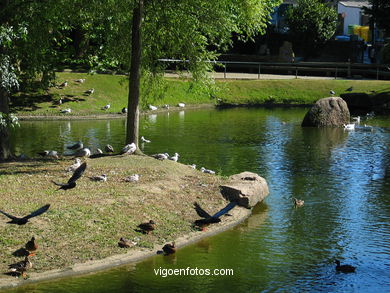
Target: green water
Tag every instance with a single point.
(342, 176)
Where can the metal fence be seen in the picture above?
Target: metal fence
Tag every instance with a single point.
(327, 69)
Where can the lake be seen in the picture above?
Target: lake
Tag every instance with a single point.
(343, 177)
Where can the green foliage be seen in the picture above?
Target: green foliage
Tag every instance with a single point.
(380, 11)
(8, 120)
(311, 24)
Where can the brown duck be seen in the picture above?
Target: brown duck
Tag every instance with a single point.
(147, 227)
(344, 268)
(169, 248)
(21, 267)
(298, 202)
(126, 243)
(31, 246)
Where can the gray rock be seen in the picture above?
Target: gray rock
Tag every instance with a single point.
(332, 111)
(246, 188)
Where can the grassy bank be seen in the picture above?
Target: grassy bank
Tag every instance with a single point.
(113, 90)
(85, 223)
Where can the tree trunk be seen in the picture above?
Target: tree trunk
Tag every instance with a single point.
(5, 152)
(134, 77)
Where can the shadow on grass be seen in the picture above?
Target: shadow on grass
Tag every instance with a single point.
(35, 166)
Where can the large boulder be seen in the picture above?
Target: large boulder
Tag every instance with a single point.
(332, 111)
(246, 188)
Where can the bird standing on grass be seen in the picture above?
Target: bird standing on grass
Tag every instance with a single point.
(90, 91)
(126, 243)
(72, 181)
(129, 149)
(101, 178)
(108, 148)
(24, 220)
(147, 227)
(106, 107)
(31, 246)
(21, 267)
(175, 157)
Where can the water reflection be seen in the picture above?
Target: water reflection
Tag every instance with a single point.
(342, 176)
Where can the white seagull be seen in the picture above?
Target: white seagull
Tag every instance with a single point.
(49, 154)
(90, 91)
(80, 80)
(181, 105)
(350, 126)
(175, 157)
(106, 107)
(108, 148)
(132, 178)
(72, 168)
(356, 119)
(193, 166)
(152, 107)
(129, 149)
(101, 178)
(204, 170)
(66, 111)
(64, 84)
(162, 156)
(85, 152)
(143, 139)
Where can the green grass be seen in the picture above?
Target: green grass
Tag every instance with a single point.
(113, 90)
(293, 91)
(86, 222)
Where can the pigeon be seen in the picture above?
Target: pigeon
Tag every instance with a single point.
(109, 149)
(152, 107)
(49, 154)
(64, 84)
(161, 156)
(73, 167)
(77, 146)
(181, 105)
(85, 152)
(106, 107)
(66, 111)
(24, 220)
(344, 268)
(90, 91)
(101, 178)
(169, 248)
(132, 178)
(332, 92)
(349, 89)
(72, 181)
(204, 170)
(175, 157)
(207, 218)
(124, 110)
(147, 227)
(129, 149)
(21, 267)
(298, 202)
(143, 139)
(80, 80)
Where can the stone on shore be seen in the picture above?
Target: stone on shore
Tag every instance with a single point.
(246, 188)
(332, 111)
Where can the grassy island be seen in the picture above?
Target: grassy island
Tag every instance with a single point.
(85, 223)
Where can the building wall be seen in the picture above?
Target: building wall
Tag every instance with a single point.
(352, 16)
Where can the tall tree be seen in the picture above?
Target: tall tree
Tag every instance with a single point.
(379, 11)
(311, 23)
(179, 29)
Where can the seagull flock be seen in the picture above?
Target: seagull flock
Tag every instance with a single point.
(78, 168)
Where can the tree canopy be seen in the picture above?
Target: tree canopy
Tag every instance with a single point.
(311, 24)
